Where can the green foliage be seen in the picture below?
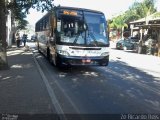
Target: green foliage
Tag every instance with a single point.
(140, 10)
(136, 11)
(118, 22)
(40, 5)
(21, 7)
(22, 24)
(157, 14)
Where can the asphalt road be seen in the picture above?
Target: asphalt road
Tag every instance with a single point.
(129, 85)
(122, 87)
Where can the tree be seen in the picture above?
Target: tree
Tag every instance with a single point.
(119, 24)
(140, 10)
(3, 58)
(148, 8)
(136, 11)
(19, 8)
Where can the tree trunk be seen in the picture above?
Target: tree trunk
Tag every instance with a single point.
(118, 33)
(3, 55)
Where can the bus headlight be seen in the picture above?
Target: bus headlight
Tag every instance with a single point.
(105, 54)
(62, 52)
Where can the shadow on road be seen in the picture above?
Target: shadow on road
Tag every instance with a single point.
(118, 88)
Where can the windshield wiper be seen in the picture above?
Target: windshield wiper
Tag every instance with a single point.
(93, 37)
(76, 39)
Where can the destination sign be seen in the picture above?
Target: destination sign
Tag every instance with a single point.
(73, 13)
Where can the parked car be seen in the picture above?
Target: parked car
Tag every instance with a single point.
(33, 38)
(133, 39)
(124, 44)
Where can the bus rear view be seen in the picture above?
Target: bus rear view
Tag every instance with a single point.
(80, 37)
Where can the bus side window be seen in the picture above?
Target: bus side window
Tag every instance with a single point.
(56, 36)
(52, 38)
(59, 25)
(65, 29)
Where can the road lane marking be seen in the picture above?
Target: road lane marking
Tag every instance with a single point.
(76, 110)
(66, 96)
(52, 95)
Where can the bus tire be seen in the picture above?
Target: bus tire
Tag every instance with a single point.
(49, 56)
(104, 63)
(38, 48)
(57, 62)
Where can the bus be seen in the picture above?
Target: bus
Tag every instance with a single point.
(73, 36)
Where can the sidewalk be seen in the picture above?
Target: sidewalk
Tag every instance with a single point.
(148, 63)
(22, 89)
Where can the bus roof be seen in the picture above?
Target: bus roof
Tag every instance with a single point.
(76, 8)
(71, 8)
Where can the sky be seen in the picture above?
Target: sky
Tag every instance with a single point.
(109, 7)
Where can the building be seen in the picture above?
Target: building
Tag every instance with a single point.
(148, 27)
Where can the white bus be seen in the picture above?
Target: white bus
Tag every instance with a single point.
(74, 36)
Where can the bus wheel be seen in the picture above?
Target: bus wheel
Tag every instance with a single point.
(49, 56)
(104, 63)
(38, 48)
(50, 59)
(58, 62)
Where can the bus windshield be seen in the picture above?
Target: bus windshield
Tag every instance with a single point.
(96, 27)
(86, 29)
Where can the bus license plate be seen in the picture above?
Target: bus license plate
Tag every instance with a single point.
(86, 61)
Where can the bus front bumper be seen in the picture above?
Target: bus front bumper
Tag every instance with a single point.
(77, 60)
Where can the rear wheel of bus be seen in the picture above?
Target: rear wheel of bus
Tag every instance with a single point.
(57, 62)
(49, 56)
(104, 63)
(38, 47)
